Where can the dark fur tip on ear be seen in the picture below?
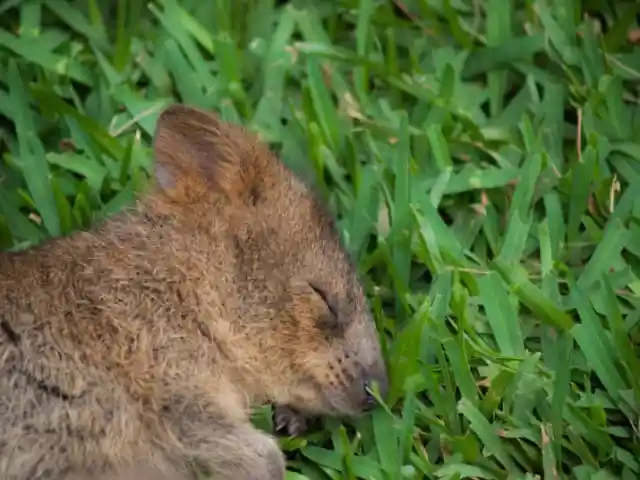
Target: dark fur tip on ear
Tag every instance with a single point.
(175, 116)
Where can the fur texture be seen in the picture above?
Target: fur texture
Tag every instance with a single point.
(144, 342)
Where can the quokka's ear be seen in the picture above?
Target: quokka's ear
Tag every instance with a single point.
(197, 154)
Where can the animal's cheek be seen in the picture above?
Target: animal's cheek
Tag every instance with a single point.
(317, 372)
(308, 399)
(338, 381)
(317, 319)
(332, 382)
(309, 352)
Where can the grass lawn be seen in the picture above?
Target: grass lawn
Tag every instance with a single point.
(483, 159)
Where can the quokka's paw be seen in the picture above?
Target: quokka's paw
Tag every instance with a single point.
(289, 421)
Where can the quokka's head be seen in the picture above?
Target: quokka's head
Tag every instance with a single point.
(304, 313)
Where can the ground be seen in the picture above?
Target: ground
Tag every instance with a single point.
(481, 157)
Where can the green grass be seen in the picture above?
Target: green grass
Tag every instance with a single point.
(483, 160)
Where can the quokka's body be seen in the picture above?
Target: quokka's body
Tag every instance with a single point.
(131, 348)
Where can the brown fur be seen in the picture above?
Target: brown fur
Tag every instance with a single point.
(145, 341)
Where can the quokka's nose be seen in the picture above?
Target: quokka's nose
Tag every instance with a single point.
(369, 402)
(383, 387)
